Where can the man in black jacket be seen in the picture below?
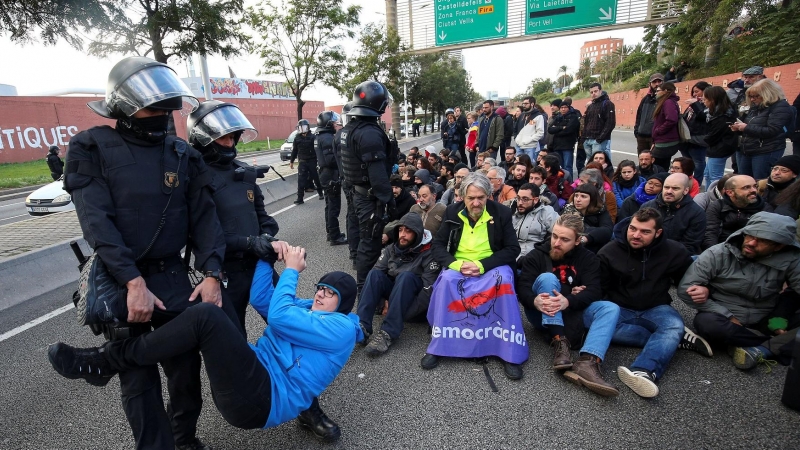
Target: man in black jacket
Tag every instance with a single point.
(684, 220)
(303, 152)
(643, 128)
(637, 270)
(54, 163)
(559, 285)
(647, 164)
(329, 176)
(564, 132)
(729, 214)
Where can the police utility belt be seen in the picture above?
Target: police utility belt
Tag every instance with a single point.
(364, 191)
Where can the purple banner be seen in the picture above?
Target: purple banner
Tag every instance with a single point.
(472, 317)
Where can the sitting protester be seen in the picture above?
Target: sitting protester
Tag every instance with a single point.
(594, 176)
(683, 220)
(517, 176)
(533, 220)
(715, 192)
(448, 197)
(782, 175)
(556, 180)
(685, 166)
(730, 214)
(431, 212)
(597, 222)
(473, 311)
(625, 181)
(644, 193)
(255, 386)
(501, 192)
(647, 164)
(537, 177)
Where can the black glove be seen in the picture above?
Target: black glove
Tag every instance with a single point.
(261, 246)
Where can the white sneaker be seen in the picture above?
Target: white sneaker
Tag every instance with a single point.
(640, 381)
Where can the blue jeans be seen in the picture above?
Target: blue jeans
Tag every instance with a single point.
(657, 330)
(698, 155)
(758, 166)
(600, 318)
(592, 146)
(531, 152)
(401, 294)
(715, 169)
(566, 159)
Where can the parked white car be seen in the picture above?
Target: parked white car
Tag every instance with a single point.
(48, 199)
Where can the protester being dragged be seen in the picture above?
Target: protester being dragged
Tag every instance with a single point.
(533, 220)
(643, 194)
(625, 181)
(597, 222)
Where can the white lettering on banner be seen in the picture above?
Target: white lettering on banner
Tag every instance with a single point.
(500, 333)
(36, 137)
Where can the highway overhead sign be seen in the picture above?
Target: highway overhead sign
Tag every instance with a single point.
(459, 21)
(544, 16)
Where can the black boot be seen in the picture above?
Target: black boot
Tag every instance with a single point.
(321, 425)
(338, 239)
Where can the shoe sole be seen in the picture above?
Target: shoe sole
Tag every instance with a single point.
(605, 391)
(373, 352)
(52, 357)
(562, 366)
(742, 360)
(642, 387)
(326, 439)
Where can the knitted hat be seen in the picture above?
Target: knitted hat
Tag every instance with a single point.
(755, 70)
(791, 162)
(556, 102)
(661, 176)
(656, 76)
(344, 286)
(460, 166)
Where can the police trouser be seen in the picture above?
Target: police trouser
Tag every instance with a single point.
(351, 221)
(333, 200)
(140, 389)
(306, 175)
(240, 271)
(370, 230)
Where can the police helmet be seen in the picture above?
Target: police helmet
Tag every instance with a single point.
(303, 126)
(370, 99)
(214, 119)
(54, 150)
(137, 82)
(345, 113)
(327, 119)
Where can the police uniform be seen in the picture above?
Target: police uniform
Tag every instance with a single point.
(130, 185)
(329, 177)
(351, 219)
(303, 151)
(55, 164)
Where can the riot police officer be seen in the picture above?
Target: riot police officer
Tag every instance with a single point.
(215, 128)
(367, 159)
(351, 219)
(329, 175)
(138, 192)
(54, 163)
(303, 151)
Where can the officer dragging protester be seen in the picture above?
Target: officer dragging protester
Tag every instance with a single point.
(303, 151)
(329, 175)
(367, 159)
(138, 192)
(215, 128)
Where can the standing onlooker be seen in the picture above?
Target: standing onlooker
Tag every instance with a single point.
(599, 122)
(625, 181)
(643, 128)
(490, 131)
(54, 163)
(795, 137)
(563, 132)
(471, 145)
(555, 111)
(529, 113)
(721, 141)
(696, 119)
(452, 132)
(462, 120)
(764, 129)
(666, 139)
(508, 126)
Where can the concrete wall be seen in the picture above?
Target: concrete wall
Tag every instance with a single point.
(788, 76)
(30, 125)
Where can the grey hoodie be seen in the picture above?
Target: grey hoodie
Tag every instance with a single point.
(741, 287)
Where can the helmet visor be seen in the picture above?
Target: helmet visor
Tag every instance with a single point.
(223, 120)
(389, 100)
(148, 86)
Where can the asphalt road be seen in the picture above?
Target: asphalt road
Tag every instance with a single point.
(391, 403)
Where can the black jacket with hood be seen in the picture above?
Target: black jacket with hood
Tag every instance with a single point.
(640, 279)
(417, 259)
(564, 130)
(684, 222)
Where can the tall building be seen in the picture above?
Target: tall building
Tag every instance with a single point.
(596, 50)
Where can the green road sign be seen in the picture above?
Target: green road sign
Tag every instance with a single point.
(460, 21)
(543, 16)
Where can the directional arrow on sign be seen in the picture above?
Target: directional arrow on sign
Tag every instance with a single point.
(499, 27)
(442, 35)
(606, 15)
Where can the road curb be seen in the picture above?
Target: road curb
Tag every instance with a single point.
(39, 271)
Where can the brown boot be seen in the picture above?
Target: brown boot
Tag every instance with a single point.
(562, 359)
(586, 372)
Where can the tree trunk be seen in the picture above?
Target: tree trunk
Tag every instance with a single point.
(300, 104)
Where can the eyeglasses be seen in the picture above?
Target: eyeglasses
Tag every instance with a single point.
(781, 169)
(754, 96)
(524, 199)
(326, 291)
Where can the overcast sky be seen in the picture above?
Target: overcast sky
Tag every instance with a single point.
(506, 68)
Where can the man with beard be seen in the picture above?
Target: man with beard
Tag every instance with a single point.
(599, 122)
(427, 208)
(684, 220)
(530, 129)
(461, 170)
(636, 272)
(736, 289)
(404, 274)
(403, 201)
(782, 175)
(517, 176)
(559, 289)
(731, 213)
(508, 160)
(533, 220)
(647, 164)
(537, 177)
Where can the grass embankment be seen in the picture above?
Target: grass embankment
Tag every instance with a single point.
(14, 175)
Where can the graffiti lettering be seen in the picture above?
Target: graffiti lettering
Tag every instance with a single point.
(36, 137)
(246, 88)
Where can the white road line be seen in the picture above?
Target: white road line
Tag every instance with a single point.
(12, 204)
(63, 309)
(34, 322)
(14, 217)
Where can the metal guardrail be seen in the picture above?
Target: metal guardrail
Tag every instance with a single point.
(417, 28)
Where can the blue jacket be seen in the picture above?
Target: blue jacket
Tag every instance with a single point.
(622, 192)
(302, 350)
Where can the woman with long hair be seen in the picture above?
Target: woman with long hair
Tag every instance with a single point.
(605, 164)
(626, 180)
(604, 185)
(666, 139)
(764, 129)
(685, 166)
(597, 222)
(719, 138)
(696, 119)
